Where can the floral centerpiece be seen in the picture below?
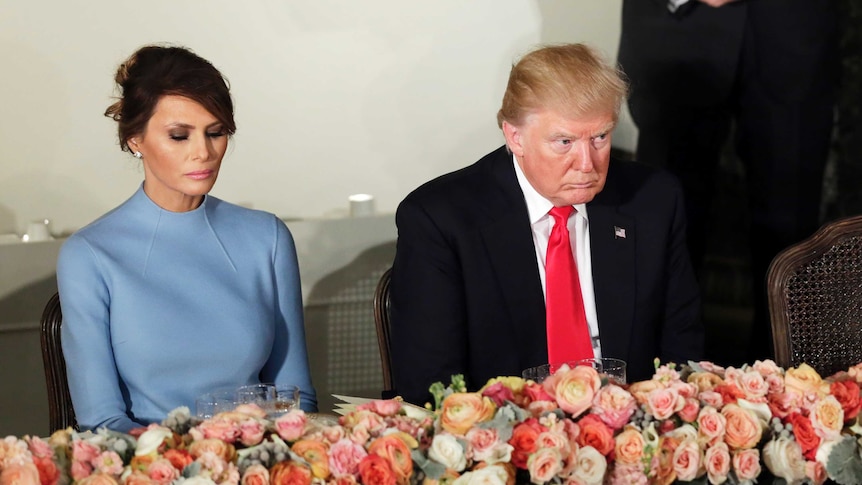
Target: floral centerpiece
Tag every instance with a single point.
(695, 423)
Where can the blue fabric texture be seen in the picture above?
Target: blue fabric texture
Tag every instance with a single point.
(160, 307)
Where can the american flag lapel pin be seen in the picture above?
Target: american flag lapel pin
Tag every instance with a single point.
(619, 232)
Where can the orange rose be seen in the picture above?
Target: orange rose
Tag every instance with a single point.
(178, 458)
(847, 393)
(49, 474)
(289, 473)
(98, 479)
(256, 474)
(596, 433)
(665, 474)
(743, 429)
(630, 446)
(138, 478)
(141, 463)
(523, 440)
(221, 449)
(804, 433)
(462, 410)
(315, 453)
(25, 474)
(397, 453)
(375, 470)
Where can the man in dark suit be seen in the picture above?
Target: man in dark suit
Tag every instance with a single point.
(468, 281)
(769, 66)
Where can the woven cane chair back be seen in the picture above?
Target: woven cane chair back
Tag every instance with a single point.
(815, 299)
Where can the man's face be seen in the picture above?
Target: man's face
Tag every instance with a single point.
(564, 159)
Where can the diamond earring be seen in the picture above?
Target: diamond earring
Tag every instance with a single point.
(138, 154)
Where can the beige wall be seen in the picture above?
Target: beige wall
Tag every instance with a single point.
(333, 97)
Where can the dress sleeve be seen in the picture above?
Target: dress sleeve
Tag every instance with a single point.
(94, 384)
(288, 362)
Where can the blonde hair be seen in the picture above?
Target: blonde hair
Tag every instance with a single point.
(572, 78)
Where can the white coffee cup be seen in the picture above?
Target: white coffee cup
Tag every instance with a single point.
(361, 205)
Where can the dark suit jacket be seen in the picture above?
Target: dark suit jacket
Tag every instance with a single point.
(466, 296)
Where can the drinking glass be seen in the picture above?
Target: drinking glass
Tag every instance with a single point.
(538, 373)
(260, 394)
(286, 399)
(614, 369)
(211, 403)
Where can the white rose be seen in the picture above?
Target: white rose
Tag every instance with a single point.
(446, 450)
(761, 410)
(499, 453)
(591, 466)
(783, 457)
(490, 475)
(195, 480)
(683, 433)
(151, 439)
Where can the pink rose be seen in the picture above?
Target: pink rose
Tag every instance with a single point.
(256, 474)
(743, 428)
(162, 471)
(827, 417)
(251, 432)
(767, 367)
(84, 451)
(685, 389)
(343, 480)
(711, 425)
(387, 407)
(344, 457)
(554, 439)
(574, 388)
(687, 460)
(785, 403)
(16, 474)
(711, 398)
(753, 385)
(544, 465)
(291, 425)
(80, 470)
(535, 392)
(220, 429)
(746, 464)
(39, 447)
(775, 383)
(690, 410)
(628, 474)
(109, 462)
(662, 403)
(138, 478)
(499, 393)
(710, 367)
(98, 479)
(614, 405)
(816, 472)
(717, 461)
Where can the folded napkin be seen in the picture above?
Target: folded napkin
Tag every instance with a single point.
(350, 404)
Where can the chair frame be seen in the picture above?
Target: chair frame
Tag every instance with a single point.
(382, 322)
(61, 412)
(783, 268)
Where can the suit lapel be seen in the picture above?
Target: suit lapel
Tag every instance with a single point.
(612, 246)
(508, 239)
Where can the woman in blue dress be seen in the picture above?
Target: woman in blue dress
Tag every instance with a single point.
(175, 293)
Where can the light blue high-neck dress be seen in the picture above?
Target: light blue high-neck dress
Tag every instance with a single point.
(160, 307)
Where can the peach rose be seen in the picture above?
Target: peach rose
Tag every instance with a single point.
(291, 425)
(396, 451)
(816, 472)
(290, 473)
(717, 461)
(662, 462)
(591, 466)
(687, 460)
(344, 457)
(219, 428)
(614, 405)
(596, 434)
(711, 425)
(746, 464)
(827, 418)
(689, 412)
(315, 453)
(544, 464)
(804, 380)
(641, 390)
(629, 447)
(255, 474)
(554, 439)
(251, 432)
(743, 429)
(711, 398)
(162, 471)
(344, 480)
(221, 449)
(662, 403)
(375, 470)
(767, 367)
(704, 381)
(138, 478)
(783, 457)
(575, 388)
(38, 447)
(461, 410)
(20, 474)
(489, 475)
(753, 385)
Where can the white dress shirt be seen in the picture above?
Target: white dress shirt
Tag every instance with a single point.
(579, 236)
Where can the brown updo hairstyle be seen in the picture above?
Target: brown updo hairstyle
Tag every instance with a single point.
(154, 71)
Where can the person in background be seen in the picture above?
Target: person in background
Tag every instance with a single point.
(770, 68)
(482, 281)
(175, 293)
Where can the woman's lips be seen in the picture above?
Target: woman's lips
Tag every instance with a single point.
(200, 174)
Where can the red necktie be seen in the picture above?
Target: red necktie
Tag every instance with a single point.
(568, 332)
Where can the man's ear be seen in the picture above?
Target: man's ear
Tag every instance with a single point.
(513, 138)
